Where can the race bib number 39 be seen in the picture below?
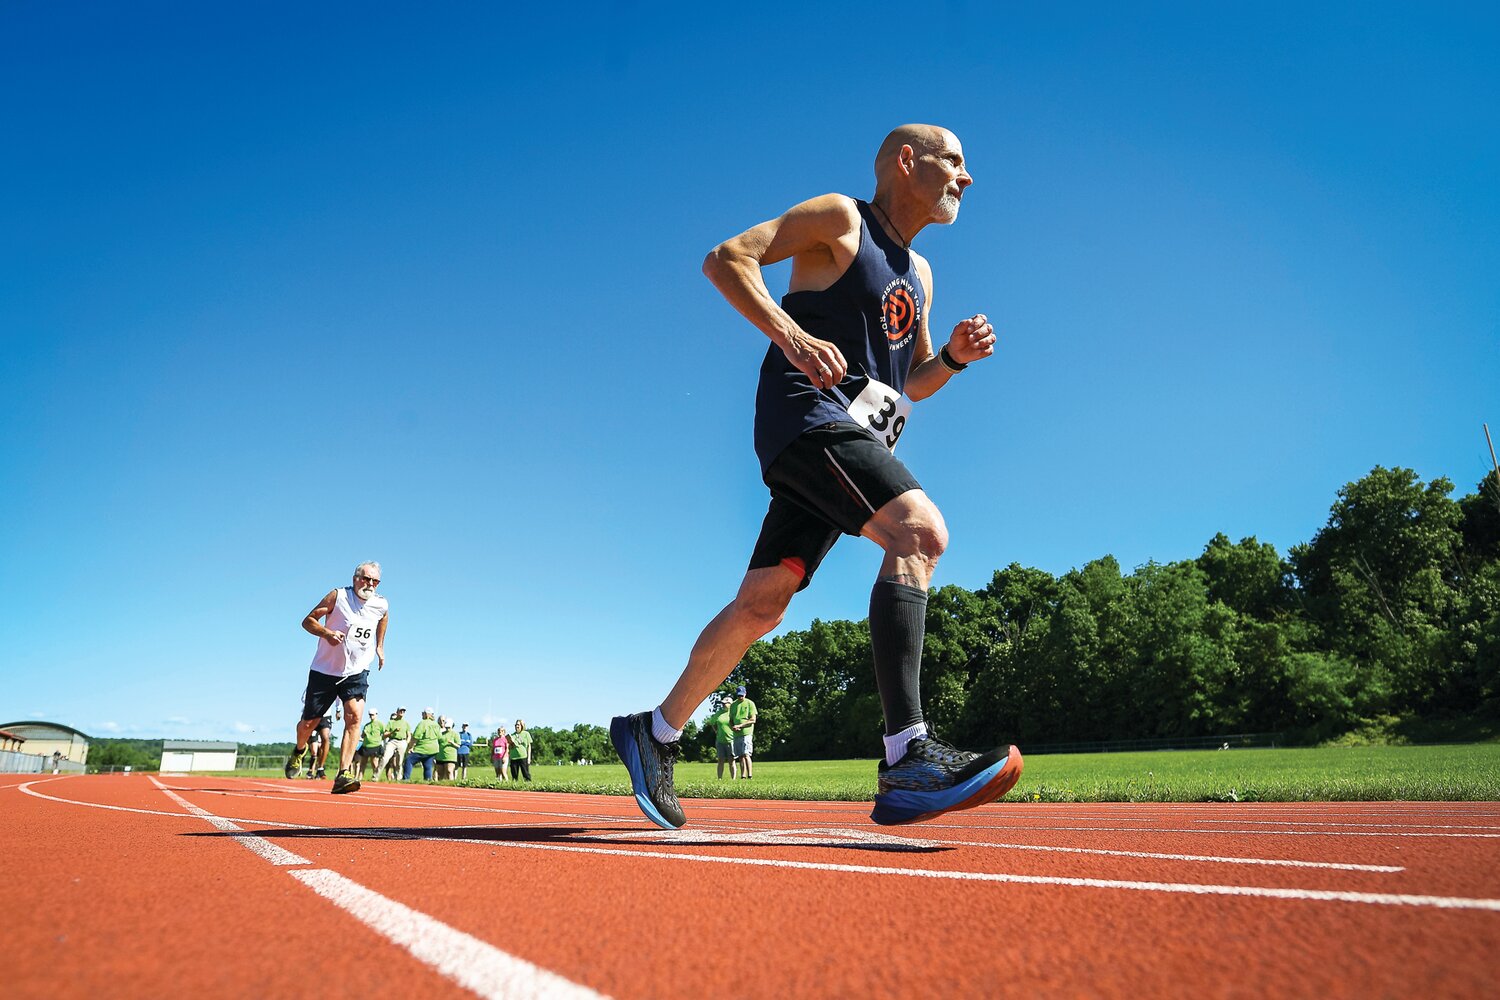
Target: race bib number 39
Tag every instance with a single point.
(883, 410)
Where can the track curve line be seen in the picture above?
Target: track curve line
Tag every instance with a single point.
(473, 964)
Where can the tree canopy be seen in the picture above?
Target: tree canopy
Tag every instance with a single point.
(1392, 609)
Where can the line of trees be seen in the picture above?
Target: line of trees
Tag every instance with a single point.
(1391, 611)
(142, 755)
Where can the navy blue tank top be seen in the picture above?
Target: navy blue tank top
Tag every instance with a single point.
(871, 313)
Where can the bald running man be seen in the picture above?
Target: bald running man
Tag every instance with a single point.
(850, 352)
(350, 623)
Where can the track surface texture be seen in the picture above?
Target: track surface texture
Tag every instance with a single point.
(142, 886)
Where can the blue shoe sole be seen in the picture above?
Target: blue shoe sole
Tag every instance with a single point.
(902, 806)
(624, 741)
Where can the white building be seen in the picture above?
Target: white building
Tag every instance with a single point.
(187, 755)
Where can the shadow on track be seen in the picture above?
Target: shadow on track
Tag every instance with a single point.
(581, 836)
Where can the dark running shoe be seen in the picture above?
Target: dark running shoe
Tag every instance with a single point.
(320, 774)
(650, 766)
(293, 765)
(342, 783)
(935, 778)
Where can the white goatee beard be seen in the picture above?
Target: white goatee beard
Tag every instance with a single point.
(365, 593)
(947, 209)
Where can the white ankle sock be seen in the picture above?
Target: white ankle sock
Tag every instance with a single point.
(895, 746)
(663, 732)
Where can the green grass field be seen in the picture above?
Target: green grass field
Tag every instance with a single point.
(1326, 774)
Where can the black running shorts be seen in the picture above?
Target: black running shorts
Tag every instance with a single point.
(323, 689)
(828, 482)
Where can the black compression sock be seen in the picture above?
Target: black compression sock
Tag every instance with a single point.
(898, 622)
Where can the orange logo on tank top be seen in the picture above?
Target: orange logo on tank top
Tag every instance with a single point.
(898, 312)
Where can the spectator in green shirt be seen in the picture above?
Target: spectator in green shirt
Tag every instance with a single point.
(370, 739)
(423, 746)
(742, 722)
(398, 732)
(724, 739)
(520, 751)
(447, 760)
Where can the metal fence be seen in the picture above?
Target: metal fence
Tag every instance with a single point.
(247, 763)
(15, 762)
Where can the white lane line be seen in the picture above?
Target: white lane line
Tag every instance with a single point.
(1202, 833)
(1339, 823)
(779, 836)
(696, 835)
(352, 831)
(1314, 895)
(799, 838)
(753, 805)
(100, 805)
(371, 800)
(1318, 895)
(367, 795)
(466, 960)
(283, 789)
(1321, 895)
(258, 845)
(1336, 865)
(633, 816)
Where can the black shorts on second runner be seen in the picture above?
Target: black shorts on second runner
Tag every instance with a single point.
(323, 689)
(829, 481)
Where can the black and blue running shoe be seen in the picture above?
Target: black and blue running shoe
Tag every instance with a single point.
(650, 766)
(934, 778)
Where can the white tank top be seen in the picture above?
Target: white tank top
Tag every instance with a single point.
(357, 620)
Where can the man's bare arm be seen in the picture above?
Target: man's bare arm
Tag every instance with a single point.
(313, 624)
(816, 235)
(380, 639)
(972, 339)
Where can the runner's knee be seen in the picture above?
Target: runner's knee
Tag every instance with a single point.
(762, 612)
(763, 598)
(922, 534)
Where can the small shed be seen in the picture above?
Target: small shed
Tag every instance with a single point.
(189, 755)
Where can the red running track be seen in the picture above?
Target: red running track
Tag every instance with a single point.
(230, 887)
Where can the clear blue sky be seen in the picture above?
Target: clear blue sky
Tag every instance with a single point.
(288, 286)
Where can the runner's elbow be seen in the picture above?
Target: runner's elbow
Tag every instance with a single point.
(725, 261)
(715, 264)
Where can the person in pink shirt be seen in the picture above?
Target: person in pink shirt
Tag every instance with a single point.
(499, 750)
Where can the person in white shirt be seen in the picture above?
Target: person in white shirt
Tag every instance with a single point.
(350, 623)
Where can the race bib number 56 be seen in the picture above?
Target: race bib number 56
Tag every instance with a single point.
(883, 410)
